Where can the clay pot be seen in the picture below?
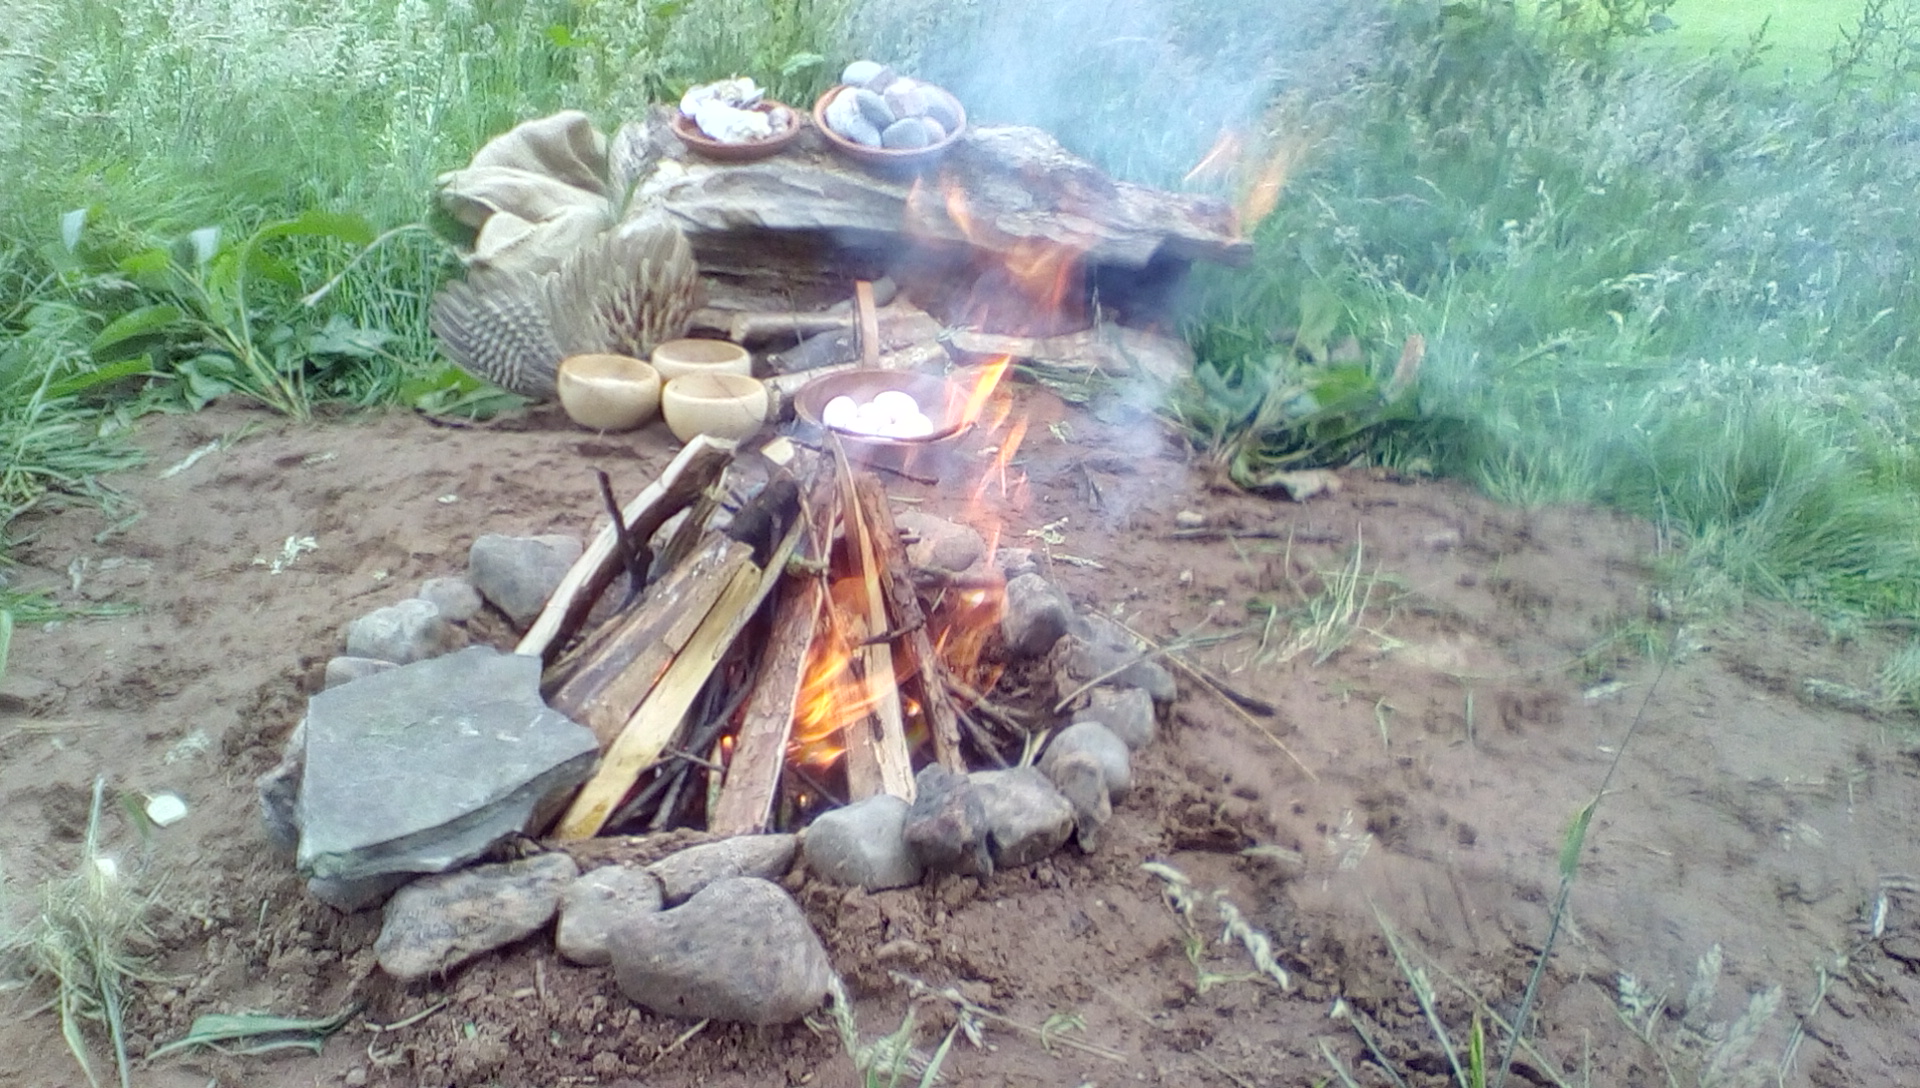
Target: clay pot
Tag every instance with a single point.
(719, 404)
(677, 358)
(608, 392)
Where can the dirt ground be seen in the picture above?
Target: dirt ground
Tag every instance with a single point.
(1431, 769)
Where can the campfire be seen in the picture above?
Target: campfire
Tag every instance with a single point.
(811, 626)
(775, 652)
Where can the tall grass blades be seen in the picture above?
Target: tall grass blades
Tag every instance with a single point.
(1646, 280)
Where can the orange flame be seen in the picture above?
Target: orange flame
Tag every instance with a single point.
(1257, 172)
(832, 696)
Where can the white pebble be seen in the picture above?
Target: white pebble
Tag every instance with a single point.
(165, 809)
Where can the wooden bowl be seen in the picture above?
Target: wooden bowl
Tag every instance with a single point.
(708, 147)
(677, 358)
(886, 156)
(942, 401)
(722, 405)
(608, 392)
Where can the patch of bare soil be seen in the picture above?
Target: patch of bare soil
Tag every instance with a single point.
(1431, 766)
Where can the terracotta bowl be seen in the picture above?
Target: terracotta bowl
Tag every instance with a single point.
(722, 405)
(886, 156)
(943, 401)
(708, 147)
(678, 358)
(608, 392)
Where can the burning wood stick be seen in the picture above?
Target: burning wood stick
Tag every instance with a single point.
(746, 797)
(621, 662)
(693, 471)
(878, 760)
(909, 619)
(659, 716)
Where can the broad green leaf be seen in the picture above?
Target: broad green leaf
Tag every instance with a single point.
(101, 375)
(146, 264)
(134, 323)
(71, 224)
(316, 223)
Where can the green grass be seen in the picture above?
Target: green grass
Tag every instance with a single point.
(1653, 277)
(1800, 33)
(1672, 288)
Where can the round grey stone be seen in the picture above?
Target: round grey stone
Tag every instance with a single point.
(1027, 818)
(1127, 712)
(740, 950)
(863, 845)
(1094, 740)
(860, 71)
(596, 904)
(683, 874)
(873, 107)
(437, 923)
(345, 670)
(905, 134)
(456, 598)
(410, 631)
(519, 573)
(942, 107)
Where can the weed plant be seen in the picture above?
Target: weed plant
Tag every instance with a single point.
(1671, 287)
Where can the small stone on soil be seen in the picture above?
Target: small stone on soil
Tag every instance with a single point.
(1095, 740)
(947, 825)
(1127, 712)
(519, 573)
(345, 670)
(403, 633)
(1190, 519)
(597, 903)
(682, 875)
(439, 922)
(1036, 615)
(740, 950)
(1026, 817)
(456, 598)
(863, 845)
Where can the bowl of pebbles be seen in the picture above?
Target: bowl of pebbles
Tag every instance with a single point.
(878, 116)
(732, 120)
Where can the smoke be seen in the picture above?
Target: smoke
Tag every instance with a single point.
(1140, 87)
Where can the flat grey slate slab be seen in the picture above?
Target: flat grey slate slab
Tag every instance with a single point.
(422, 767)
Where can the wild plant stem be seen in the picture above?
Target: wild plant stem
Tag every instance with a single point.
(1568, 872)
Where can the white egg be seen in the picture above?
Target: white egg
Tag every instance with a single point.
(914, 425)
(897, 404)
(870, 419)
(839, 413)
